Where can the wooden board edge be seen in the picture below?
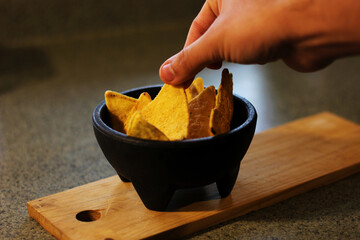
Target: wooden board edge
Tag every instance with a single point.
(96, 182)
(205, 223)
(325, 114)
(44, 222)
(107, 179)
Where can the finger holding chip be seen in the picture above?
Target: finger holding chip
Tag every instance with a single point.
(175, 113)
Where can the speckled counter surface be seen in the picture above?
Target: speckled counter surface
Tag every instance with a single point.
(49, 88)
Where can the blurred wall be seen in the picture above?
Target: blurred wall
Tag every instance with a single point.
(36, 20)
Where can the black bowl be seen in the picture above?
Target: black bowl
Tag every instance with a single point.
(158, 168)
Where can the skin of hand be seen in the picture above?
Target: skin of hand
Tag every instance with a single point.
(307, 35)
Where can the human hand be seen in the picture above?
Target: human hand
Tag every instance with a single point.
(306, 35)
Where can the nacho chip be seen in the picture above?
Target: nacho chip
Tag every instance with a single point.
(221, 115)
(175, 113)
(169, 112)
(139, 127)
(200, 109)
(119, 107)
(141, 102)
(194, 89)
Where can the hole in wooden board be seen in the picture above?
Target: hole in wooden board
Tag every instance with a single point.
(88, 215)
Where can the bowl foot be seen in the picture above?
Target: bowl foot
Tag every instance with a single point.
(226, 184)
(155, 196)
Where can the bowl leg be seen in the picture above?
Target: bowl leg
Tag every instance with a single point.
(226, 184)
(155, 196)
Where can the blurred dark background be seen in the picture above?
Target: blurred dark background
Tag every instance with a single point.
(25, 21)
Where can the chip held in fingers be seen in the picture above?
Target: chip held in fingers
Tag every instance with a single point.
(169, 112)
(175, 114)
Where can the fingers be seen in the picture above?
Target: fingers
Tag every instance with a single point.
(309, 59)
(199, 50)
(215, 65)
(183, 66)
(202, 21)
(309, 66)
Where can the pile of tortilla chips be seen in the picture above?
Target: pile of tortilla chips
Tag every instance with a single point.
(175, 113)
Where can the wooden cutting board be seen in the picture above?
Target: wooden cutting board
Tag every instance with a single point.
(282, 162)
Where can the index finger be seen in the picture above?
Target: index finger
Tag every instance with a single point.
(202, 21)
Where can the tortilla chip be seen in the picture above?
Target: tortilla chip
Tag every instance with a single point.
(141, 102)
(119, 107)
(140, 128)
(196, 87)
(221, 115)
(200, 109)
(169, 112)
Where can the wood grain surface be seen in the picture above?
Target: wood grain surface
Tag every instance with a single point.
(281, 162)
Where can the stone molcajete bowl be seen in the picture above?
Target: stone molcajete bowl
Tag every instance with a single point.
(158, 168)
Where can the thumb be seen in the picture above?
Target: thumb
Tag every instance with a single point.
(184, 66)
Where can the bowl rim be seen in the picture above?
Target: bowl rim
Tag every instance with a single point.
(100, 125)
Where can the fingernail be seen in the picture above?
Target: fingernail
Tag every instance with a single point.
(168, 73)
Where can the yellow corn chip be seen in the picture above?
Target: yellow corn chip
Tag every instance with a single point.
(175, 113)
(144, 99)
(169, 112)
(200, 109)
(221, 115)
(140, 128)
(141, 102)
(194, 89)
(119, 107)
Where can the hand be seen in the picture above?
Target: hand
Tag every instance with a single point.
(307, 35)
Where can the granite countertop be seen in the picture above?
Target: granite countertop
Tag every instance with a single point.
(49, 87)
